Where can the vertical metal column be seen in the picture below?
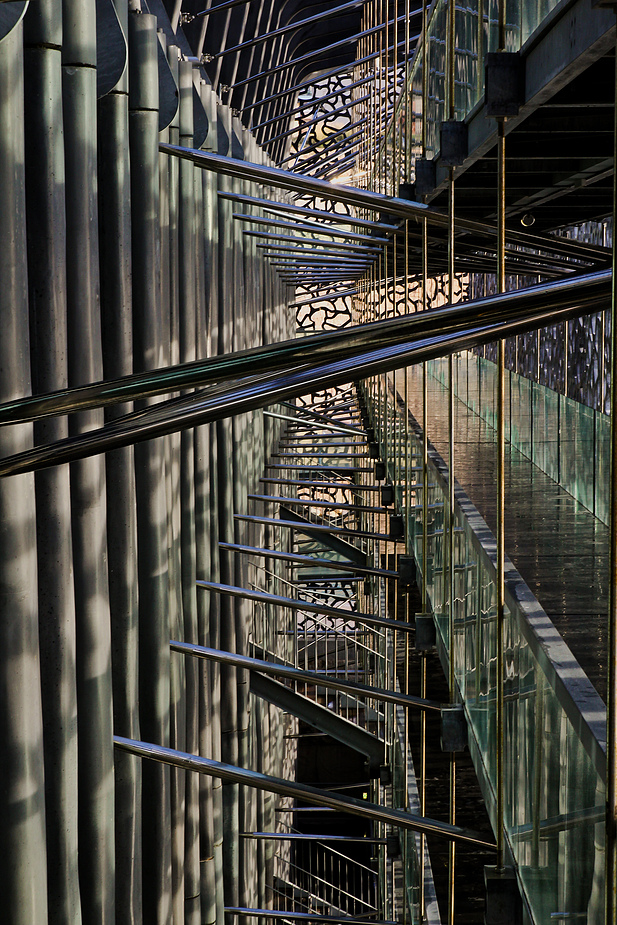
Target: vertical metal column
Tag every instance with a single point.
(117, 335)
(212, 839)
(45, 224)
(229, 692)
(23, 876)
(189, 227)
(204, 437)
(611, 746)
(500, 589)
(88, 494)
(501, 449)
(153, 566)
(451, 43)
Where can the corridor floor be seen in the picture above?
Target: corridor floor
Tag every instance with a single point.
(557, 545)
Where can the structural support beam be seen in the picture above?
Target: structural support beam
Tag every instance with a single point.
(306, 606)
(302, 675)
(339, 728)
(303, 916)
(344, 565)
(522, 310)
(304, 792)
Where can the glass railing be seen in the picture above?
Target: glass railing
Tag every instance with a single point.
(554, 762)
(566, 439)
(476, 23)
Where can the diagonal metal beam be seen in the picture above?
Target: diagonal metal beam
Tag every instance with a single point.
(337, 218)
(303, 916)
(345, 88)
(309, 227)
(320, 529)
(334, 428)
(489, 320)
(309, 83)
(311, 502)
(352, 486)
(304, 126)
(321, 146)
(279, 670)
(291, 603)
(350, 195)
(339, 728)
(290, 27)
(313, 55)
(307, 164)
(300, 559)
(313, 795)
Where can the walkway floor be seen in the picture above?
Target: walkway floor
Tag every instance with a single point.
(559, 547)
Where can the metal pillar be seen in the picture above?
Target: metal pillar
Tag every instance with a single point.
(153, 565)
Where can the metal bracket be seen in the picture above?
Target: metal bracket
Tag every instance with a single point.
(426, 636)
(453, 728)
(504, 80)
(393, 846)
(426, 177)
(406, 571)
(503, 901)
(453, 143)
(397, 526)
(385, 775)
(380, 471)
(387, 494)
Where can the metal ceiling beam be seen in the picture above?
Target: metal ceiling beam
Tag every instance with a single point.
(309, 227)
(345, 88)
(290, 27)
(314, 55)
(271, 205)
(307, 126)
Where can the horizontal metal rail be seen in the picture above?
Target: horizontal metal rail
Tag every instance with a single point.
(302, 836)
(349, 486)
(308, 527)
(552, 302)
(278, 670)
(335, 428)
(367, 199)
(336, 218)
(305, 916)
(329, 505)
(525, 308)
(309, 560)
(340, 803)
(292, 603)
